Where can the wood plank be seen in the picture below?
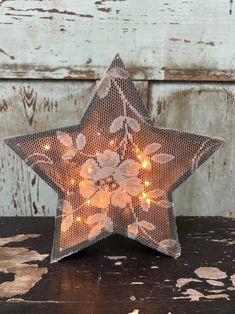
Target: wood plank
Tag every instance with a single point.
(158, 40)
(144, 280)
(206, 109)
(26, 107)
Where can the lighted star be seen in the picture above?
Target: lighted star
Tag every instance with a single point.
(115, 172)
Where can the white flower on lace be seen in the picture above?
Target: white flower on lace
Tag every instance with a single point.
(107, 181)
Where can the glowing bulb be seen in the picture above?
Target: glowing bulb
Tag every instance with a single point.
(111, 142)
(47, 147)
(79, 219)
(72, 181)
(89, 202)
(148, 200)
(139, 157)
(146, 183)
(144, 195)
(145, 164)
(89, 170)
(97, 153)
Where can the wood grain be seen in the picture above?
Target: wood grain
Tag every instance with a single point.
(206, 109)
(158, 40)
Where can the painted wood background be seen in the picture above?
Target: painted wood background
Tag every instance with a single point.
(181, 55)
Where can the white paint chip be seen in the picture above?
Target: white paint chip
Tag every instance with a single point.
(132, 298)
(183, 281)
(215, 283)
(154, 267)
(134, 312)
(118, 263)
(210, 273)
(137, 283)
(114, 258)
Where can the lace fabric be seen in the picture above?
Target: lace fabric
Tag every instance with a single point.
(114, 172)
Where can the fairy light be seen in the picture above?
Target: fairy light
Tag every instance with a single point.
(89, 170)
(97, 153)
(89, 202)
(148, 200)
(79, 219)
(111, 142)
(144, 195)
(47, 147)
(146, 183)
(72, 181)
(145, 164)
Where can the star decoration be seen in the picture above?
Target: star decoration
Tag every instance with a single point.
(114, 172)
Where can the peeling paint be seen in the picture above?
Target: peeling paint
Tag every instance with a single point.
(183, 281)
(114, 258)
(215, 283)
(16, 260)
(210, 272)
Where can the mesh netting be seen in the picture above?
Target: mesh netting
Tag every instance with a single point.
(115, 172)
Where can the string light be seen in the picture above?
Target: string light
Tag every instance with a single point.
(72, 181)
(89, 202)
(47, 147)
(79, 219)
(89, 170)
(146, 183)
(144, 194)
(148, 200)
(111, 142)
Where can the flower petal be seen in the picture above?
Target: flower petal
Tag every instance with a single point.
(108, 159)
(103, 173)
(87, 188)
(120, 198)
(133, 186)
(130, 168)
(101, 199)
(89, 169)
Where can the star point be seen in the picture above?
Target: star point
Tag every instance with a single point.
(115, 172)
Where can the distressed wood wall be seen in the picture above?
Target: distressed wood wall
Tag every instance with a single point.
(180, 53)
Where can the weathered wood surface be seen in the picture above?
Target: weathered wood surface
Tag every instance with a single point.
(207, 109)
(119, 275)
(159, 40)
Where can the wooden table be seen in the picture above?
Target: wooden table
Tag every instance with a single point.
(119, 275)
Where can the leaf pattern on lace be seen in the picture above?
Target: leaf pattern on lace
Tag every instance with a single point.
(146, 225)
(117, 124)
(151, 148)
(166, 245)
(105, 84)
(102, 221)
(67, 216)
(133, 124)
(67, 141)
(162, 158)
